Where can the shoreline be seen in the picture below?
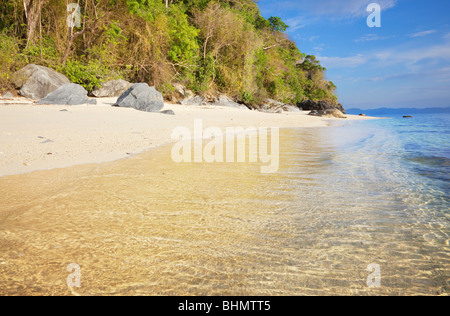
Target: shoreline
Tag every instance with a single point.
(44, 137)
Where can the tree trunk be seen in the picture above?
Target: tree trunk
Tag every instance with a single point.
(33, 9)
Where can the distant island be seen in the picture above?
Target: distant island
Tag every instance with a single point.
(398, 111)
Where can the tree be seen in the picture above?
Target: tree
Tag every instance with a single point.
(277, 25)
(33, 10)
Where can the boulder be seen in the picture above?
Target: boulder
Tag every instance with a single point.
(197, 100)
(274, 106)
(290, 108)
(168, 112)
(274, 103)
(7, 95)
(319, 106)
(223, 100)
(112, 89)
(142, 97)
(180, 93)
(340, 108)
(314, 113)
(68, 94)
(329, 112)
(36, 82)
(334, 113)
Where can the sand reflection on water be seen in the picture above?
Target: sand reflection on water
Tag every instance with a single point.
(148, 226)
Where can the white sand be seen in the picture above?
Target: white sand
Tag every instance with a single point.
(36, 137)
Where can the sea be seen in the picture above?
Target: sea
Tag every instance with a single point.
(357, 208)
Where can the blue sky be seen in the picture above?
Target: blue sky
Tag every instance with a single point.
(403, 63)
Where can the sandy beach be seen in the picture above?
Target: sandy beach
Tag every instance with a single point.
(332, 214)
(37, 137)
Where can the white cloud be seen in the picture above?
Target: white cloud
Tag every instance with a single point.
(372, 37)
(295, 24)
(342, 62)
(423, 33)
(441, 75)
(390, 57)
(335, 9)
(415, 55)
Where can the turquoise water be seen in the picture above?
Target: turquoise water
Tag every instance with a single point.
(420, 146)
(380, 194)
(406, 157)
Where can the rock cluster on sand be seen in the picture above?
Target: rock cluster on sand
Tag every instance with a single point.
(334, 113)
(142, 97)
(36, 82)
(319, 106)
(223, 100)
(68, 94)
(273, 106)
(329, 112)
(195, 100)
(112, 89)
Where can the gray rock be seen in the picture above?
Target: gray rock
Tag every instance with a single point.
(141, 97)
(111, 89)
(314, 113)
(334, 113)
(291, 108)
(329, 112)
(223, 100)
(168, 112)
(182, 91)
(68, 94)
(36, 82)
(7, 95)
(197, 100)
(273, 106)
(310, 105)
(274, 103)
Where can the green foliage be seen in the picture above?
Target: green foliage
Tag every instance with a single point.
(261, 23)
(210, 46)
(205, 74)
(146, 9)
(90, 75)
(114, 33)
(195, 4)
(43, 52)
(277, 25)
(10, 59)
(183, 39)
(247, 97)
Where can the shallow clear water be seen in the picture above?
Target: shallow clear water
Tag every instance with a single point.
(345, 197)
